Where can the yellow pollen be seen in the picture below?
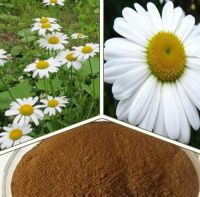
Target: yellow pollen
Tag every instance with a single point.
(44, 20)
(42, 65)
(53, 40)
(79, 35)
(166, 56)
(15, 134)
(53, 103)
(71, 57)
(53, 1)
(26, 110)
(87, 49)
(46, 25)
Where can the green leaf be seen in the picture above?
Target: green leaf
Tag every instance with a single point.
(41, 85)
(21, 90)
(89, 89)
(16, 50)
(85, 70)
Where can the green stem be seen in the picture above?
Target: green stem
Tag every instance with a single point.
(51, 85)
(45, 86)
(92, 73)
(9, 91)
(71, 84)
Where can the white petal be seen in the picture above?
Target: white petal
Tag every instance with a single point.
(167, 15)
(128, 83)
(185, 28)
(189, 108)
(141, 101)
(171, 113)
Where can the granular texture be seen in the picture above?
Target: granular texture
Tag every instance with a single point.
(104, 160)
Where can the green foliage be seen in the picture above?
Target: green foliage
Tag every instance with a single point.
(80, 86)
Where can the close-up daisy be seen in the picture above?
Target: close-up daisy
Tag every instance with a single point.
(154, 69)
(3, 57)
(25, 110)
(53, 104)
(53, 41)
(87, 51)
(78, 36)
(42, 68)
(43, 28)
(54, 2)
(67, 57)
(14, 135)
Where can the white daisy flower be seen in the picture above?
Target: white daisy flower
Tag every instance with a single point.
(78, 36)
(25, 110)
(53, 41)
(53, 104)
(14, 135)
(67, 57)
(87, 51)
(45, 20)
(53, 2)
(155, 70)
(42, 68)
(3, 57)
(44, 27)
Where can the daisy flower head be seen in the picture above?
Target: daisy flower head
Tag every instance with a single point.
(78, 36)
(54, 2)
(87, 51)
(42, 28)
(25, 110)
(3, 57)
(67, 57)
(53, 41)
(14, 135)
(53, 104)
(155, 71)
(45, 20)
(43, 68)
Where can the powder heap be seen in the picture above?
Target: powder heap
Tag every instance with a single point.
(104, 160)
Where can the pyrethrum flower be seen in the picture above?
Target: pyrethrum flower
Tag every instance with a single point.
(53, 104)
(42, 68)
(78, 36)
(14, 135)
(67, 57)
(53, 41)
(87, 51)
(54, 2)
(45, 20)
(155, 71)
(42, 28)
(3, 57)
(25, 110)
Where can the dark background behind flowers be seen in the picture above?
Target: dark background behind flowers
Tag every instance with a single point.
(113, 9)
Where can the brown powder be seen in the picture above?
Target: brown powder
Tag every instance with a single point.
(104, 160)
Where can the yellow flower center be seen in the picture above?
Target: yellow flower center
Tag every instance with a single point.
(53, 40)
(26, 110)
(15, 134)
(71, 57)
(44, 20)
(53, 1)
(46, 25)
(53, 103)
(80, 35)
(42, 65)
(87, 49)
(166, 56)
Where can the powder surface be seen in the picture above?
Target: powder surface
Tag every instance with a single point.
(104, 160)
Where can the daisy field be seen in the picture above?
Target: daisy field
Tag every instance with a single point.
(49, 66)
